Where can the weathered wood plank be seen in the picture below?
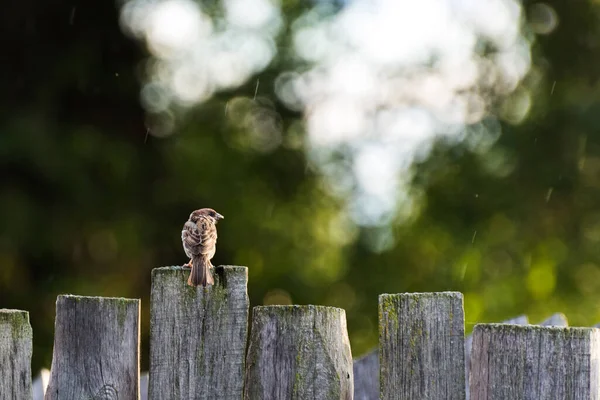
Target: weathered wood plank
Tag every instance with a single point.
(421, 346)
(366, 376)
(297, 353)
(15, 355)
(534, 362)
(366, 368)
(520, 320)
(198, 335)
(96, 349)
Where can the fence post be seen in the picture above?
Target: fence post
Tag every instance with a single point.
(96, 349)
(421, 346)
(198, 335)
(533, 362)
(520, 320)
(297, 353)
(15, 355)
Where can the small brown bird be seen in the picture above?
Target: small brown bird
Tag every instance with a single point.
(199, 237)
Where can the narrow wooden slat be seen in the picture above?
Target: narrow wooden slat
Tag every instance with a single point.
(421, 346)
(15, 355)
(96, 349)
(366, 376)
(144, 386)
(534, 362)
(198, 335)
(297, 353)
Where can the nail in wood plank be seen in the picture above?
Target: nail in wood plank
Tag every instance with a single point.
(96, 349)
(297, 353)
(421, 346)
(534, 362)
(15, 355)
(198, 335)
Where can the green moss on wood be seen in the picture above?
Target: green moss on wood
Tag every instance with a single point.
(18, 321)
(118, 304)
(122, 312)
(557, 331)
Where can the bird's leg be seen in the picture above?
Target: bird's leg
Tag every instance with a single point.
(189, 264)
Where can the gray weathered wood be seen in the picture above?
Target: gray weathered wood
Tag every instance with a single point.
(297, 353)
(520, 320)
(421, 346)
(15, 355)
(144, 386)
(198, 335)
(533, 362)
(366, 376)
(40, 383)
(366, 368)
(96, 349)
(557, 319)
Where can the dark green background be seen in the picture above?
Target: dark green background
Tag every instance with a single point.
(89, 203)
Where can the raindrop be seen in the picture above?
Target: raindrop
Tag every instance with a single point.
(542, 19)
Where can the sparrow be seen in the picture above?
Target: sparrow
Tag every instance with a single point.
(199, 237)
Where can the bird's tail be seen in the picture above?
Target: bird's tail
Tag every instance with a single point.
(201, 274)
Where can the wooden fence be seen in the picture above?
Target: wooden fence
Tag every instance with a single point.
(201, 348)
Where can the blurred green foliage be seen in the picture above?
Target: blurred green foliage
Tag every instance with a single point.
(90, 202)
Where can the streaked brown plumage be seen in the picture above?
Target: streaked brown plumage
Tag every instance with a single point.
(199, 237)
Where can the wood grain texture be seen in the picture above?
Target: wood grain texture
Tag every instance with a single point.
(15, 355)
(198, 335)
(298, 353)
(366, 368)
(534, 362)
(366, 376)
(96, 349)
(421, 346)
(520, 320)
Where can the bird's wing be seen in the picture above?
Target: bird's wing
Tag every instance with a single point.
(192, 238)
(208, 235)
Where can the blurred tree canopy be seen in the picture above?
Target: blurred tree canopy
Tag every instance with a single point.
(91, 200)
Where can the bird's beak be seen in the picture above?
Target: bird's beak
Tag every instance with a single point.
(219, 216)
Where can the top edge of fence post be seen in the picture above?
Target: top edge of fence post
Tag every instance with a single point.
(18, 319)
(449, 294)
(297, 307)
(530, 328)
(222, 274)
(11, 313)
(95, 298)
(170, 268)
